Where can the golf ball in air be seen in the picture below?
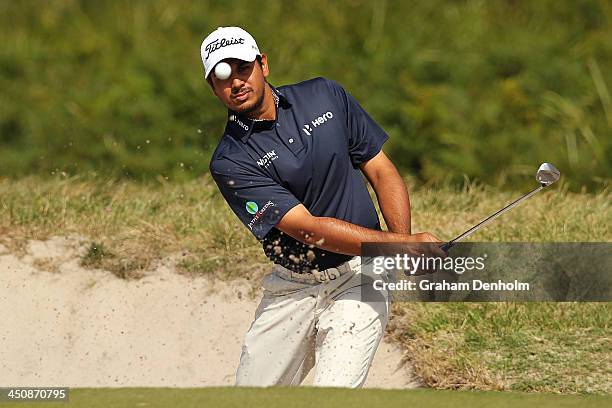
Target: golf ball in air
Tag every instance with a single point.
(223, 70)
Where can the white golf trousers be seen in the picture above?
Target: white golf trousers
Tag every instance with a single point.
(298, 323)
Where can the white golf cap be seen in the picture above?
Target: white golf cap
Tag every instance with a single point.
(227, 42)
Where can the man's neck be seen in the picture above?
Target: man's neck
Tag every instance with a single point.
(267, 111)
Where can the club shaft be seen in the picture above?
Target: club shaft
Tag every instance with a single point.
(492, 217)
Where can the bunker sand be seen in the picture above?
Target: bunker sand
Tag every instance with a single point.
(64, 325)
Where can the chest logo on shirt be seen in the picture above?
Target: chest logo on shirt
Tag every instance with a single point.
(267, 158)
(318, 121)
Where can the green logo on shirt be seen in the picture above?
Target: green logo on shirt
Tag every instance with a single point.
(251, 207)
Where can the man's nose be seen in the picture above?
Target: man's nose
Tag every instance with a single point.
(237, 83)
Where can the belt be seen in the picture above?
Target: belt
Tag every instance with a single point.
(316, 277)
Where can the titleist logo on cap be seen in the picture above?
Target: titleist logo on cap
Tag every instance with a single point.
(220, 43)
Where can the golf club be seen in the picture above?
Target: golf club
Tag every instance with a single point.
(547, 174)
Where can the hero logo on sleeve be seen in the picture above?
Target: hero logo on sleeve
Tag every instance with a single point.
(318, 121)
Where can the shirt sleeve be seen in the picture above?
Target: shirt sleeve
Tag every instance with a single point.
(365, 136)
(256, 199)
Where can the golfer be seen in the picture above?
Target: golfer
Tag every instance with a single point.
(290, 166)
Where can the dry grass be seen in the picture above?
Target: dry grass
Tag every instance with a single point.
(439, 358)
(47, 264)
(491, 346)
(134, 224)
(543, 347)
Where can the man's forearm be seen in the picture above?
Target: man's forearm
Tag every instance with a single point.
(343, 237)
(394, 202)
(390, 191)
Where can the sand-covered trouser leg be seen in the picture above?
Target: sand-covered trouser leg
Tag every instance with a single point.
(349, 330)
(297, 320)
(279, 347)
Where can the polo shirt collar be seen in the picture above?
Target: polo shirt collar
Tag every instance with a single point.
(241, 126)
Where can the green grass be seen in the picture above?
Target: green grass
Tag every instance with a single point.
(478, 88)
(535, 347)
(311, 397)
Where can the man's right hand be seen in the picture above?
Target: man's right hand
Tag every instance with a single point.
(426, 245)
(424, 237)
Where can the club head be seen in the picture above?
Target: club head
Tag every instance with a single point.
(547, 174)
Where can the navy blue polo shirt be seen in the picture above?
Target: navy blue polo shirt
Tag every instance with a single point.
(310, 155)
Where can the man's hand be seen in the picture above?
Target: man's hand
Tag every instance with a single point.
(426, 243)
(425, 237)
(416, 254)
(422, 245)
(428, 248)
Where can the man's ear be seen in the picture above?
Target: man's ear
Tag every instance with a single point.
(264, 65)
(210, 82)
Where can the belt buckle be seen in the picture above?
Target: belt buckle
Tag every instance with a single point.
(327, 275)
(300, 277)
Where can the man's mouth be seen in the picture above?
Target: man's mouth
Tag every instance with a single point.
(241, 96)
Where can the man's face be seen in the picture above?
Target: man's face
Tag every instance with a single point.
(243, 91)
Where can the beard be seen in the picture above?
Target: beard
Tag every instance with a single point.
(247, 108)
